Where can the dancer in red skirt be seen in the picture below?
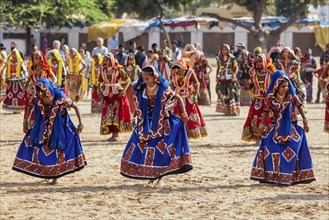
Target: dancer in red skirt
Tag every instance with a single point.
(260, 75)
(16, 75)
(115, 111)
(186, 84)
(325, 92)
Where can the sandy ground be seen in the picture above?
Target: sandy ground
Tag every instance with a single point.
(217, 188)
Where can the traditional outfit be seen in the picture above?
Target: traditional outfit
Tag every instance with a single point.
(133, 73)
(16, 74)
(158, 145)
(36, 72)
(51, 148)
(227, 88)
(187, 89)
(284, 156)
(291, 68)
(164, 67)
(3, 84)
(58, 68)
(200, 70)
(116, 115)
(96, 68)
(75, 78)
(259, 83)
(324, 76)
(244, 77)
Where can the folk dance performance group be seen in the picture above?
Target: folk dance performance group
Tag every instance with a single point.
(161, 110)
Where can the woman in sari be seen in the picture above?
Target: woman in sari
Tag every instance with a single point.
(113, 84)
(75, 76)
(227, 88)
(260, 75)
(38, 69)
(133, 71)
(186, 85)
(15, 77)
(52, 147)
(284, 156)
(158, 145)
(96, 69)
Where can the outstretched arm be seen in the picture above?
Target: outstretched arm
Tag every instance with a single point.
(80, 126)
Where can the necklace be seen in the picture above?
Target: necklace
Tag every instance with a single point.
(280, 96)
(151, 88)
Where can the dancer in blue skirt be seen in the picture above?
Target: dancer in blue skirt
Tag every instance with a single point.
(284, 156)
(52, 147)
(158, 145)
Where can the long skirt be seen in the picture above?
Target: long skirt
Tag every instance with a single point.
(158, 157)
(96, 102)
(116, 115)
(44, 162)
(131, 94)
(196, 126)
(251, 127)
(284, 164)
(74, 86)
(228, 101)
(15, 98)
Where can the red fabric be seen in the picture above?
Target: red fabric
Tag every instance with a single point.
(256, 112)
(95, 100)
(15, 92)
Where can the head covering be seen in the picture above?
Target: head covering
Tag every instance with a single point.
(114, 62)
(283, 129)
(181, 64)
(131, 57)
(241, 44)
(48, 126)
(78, 61)
(19, 63)
(140, 86)
(93, 70)
(44, 64)
(59, 59)
(258, 49)
(224, 46)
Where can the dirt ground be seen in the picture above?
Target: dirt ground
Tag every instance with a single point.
(217, 188)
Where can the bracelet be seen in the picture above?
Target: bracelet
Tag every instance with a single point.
(261, 126)
(184, 114)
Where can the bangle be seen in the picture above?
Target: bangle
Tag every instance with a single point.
(261, 126)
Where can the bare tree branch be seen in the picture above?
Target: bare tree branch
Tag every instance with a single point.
(293, 18)
(236, 22)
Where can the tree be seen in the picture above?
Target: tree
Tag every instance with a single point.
(54, 13)
(258, 7)
(153, 8)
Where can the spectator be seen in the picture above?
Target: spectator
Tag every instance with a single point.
(155, 49)
(121, 55)
(57, 46)
(112, 44)
(275, 51)
(165, 47)
(176, 52)
(100, 48)
(308, 66)
(140, 57)
(132, 48)
(238, 54)
(181, 42)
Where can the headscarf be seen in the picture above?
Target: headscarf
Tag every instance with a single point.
(145, 131)
(93, 68)
(78, 61)
(283, 130)
(188, 73)
(58, 57)
(227, 47)
(19, 63)
(48, 128)
(131, 57)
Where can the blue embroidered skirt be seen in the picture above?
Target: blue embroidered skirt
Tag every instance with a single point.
(167, 155)
(44, 162)
(284, 164)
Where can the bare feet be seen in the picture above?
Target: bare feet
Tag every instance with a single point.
(54, 182)
(115, 137)
(158, 184)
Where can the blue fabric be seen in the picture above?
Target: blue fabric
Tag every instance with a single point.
(57, 139)
(285, 123)
(299, 146)
(163, 163)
